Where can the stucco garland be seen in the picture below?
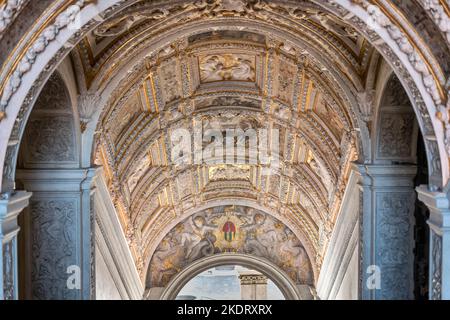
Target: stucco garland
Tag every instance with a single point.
(439, 15)
(8, 12)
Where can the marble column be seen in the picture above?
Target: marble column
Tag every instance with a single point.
(253, 285)
(58, 235)
(386, 228)
(439, 223)
(11, 205)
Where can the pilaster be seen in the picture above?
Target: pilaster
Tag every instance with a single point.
(10, 208)
(58, 250)
(386, 222)
(439, 222)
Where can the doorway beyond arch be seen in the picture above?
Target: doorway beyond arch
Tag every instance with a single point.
(289, 289)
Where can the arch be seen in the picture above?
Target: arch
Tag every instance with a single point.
(395, 127)
(18, 85)
(281, 280)
(51, 138)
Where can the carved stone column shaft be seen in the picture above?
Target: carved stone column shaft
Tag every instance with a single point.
(58, 238)
(388, 199)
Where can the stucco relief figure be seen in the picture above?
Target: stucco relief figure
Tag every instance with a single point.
(233, 5)
(139, 172)
(222, 101)
(115, 28)
(319, 169)
(235, 229)
(227, 67)
(118, 26)
(330, 118)
(228, 172)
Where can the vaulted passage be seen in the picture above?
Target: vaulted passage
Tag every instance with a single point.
(282, 149)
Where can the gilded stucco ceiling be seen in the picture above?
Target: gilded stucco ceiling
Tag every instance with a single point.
(216, 65)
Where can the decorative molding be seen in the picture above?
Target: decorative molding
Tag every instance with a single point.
(281, 280)
(439, 15)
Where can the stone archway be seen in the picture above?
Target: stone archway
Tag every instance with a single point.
(30, 66)
(283, 282)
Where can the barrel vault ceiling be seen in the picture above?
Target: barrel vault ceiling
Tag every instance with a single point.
(221, 64)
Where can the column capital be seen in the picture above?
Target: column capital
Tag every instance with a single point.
(386, 175)
(439, 205)
(10, 208)
(58, 180)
